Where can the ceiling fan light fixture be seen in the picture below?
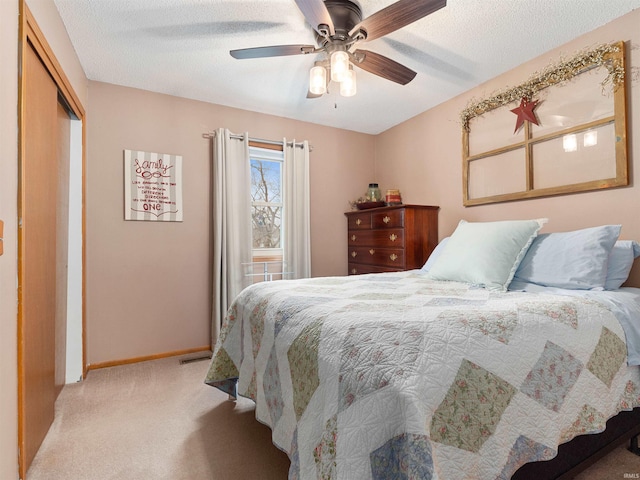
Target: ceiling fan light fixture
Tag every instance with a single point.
(339, 26)
(339, 65)
(318, 80)
(348, 85)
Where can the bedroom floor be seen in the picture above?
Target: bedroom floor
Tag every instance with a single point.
(157, 420)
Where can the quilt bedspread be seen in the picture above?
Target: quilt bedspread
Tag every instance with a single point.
(392, 376)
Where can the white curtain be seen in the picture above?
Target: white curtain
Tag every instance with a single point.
(296, 222)
(231, 221)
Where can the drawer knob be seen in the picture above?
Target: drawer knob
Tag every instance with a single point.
(393, 257)
(354, 271)
(358, 221)
(386, 219)
(354, 254)
(372, 251)
(353, 238)
(393, 237)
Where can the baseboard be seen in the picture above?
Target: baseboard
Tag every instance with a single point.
(126, 361)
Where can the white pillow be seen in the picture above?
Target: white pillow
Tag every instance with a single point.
(435, 254)
(575, 260)
(486, 254)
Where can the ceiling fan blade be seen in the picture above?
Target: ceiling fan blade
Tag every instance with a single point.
(316, 14)
(272, 51)
(396, 16)
(383, 67)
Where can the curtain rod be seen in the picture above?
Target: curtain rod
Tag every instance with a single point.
(239, 136)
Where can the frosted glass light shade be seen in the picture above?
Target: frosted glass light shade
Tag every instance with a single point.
(318, 80)
(348, 85)
(339, 65)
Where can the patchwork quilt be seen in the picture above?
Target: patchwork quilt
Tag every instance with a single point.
(392, 376)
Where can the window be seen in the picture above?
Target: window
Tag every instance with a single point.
(266, 198)
(266, 212)
(580, 144)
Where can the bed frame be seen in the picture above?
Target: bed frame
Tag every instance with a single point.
(584, 450)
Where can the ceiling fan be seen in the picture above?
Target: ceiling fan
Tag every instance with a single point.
(339, 27)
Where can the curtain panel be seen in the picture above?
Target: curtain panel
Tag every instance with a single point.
(296, 222)
(231, 221)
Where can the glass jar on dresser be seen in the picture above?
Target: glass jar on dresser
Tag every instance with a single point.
(391, 239)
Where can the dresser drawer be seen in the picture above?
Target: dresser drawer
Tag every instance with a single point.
(390, 257)
(358, 269)
(393, 237)
(389, 219)
(359, 221)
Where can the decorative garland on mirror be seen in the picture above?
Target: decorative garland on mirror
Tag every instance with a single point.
(553, 74)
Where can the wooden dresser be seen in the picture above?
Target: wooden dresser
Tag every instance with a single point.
(391, 239)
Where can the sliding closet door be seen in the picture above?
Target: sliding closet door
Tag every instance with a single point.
(38, 255)
(47, 102)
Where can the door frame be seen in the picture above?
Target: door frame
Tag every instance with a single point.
(30, 33)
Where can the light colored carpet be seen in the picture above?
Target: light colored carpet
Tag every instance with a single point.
(157, 420)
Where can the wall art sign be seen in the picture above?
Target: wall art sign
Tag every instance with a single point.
(152, 186)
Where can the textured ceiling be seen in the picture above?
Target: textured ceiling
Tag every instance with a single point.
(181, 47)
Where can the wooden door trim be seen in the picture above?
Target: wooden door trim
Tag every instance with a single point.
(31, 36)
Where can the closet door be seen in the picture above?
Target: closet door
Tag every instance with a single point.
(38, 246)
(47, 102)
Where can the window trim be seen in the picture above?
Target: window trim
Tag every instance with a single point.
(266, 151)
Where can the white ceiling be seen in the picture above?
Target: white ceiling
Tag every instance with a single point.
(181, 47)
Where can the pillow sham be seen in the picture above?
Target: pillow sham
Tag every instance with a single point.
(435, 254)
(621, 258)
(575, 260)
(486, 254)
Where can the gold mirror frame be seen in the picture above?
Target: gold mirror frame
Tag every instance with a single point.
(516, 156)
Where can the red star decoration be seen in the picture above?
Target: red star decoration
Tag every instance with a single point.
(525, 112)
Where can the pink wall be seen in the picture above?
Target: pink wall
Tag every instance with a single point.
(423, 156)
(149, 284)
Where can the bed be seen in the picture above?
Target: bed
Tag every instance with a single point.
(409, 375)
